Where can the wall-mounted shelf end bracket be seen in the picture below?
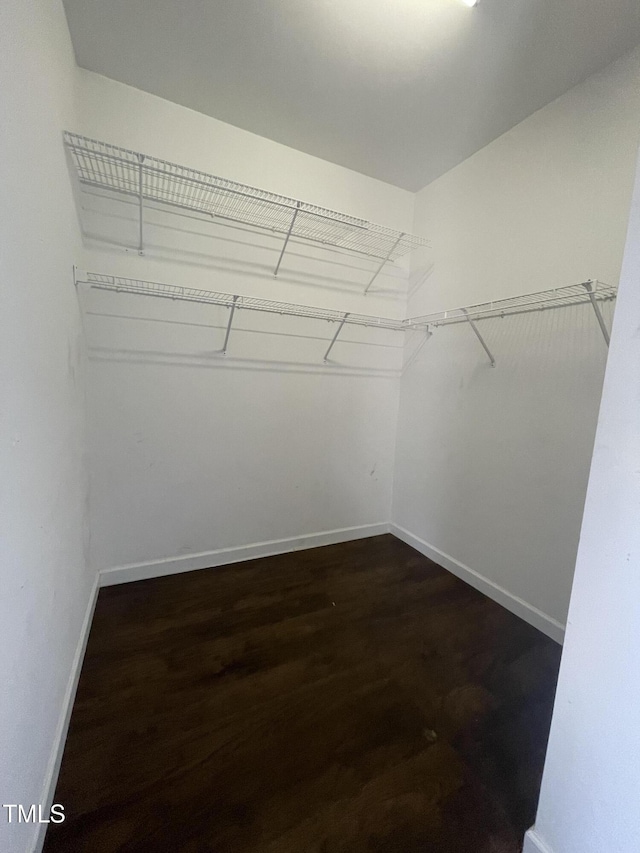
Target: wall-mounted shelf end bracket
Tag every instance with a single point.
(589, 287)
(335, 337)
(286, 239)
(230, 321)
(480, 338)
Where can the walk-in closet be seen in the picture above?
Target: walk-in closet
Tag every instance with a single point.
(319, 427)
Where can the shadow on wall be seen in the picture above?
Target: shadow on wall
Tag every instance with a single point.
(163, 332)
(495, 473)
(200, 241)
(422, 268)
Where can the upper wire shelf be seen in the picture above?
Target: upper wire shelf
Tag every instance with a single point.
(149, 179)
(589, 292)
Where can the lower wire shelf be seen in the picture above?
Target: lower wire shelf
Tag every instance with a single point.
(236, 302)
(590, 292)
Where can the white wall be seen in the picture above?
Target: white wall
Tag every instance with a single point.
(193, 453)
(116, 113)
(492, 464)
(43, 494)
(589, 799)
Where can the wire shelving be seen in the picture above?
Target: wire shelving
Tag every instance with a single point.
(574, 294)
(589, 292)
(235, 302)
(149, 179)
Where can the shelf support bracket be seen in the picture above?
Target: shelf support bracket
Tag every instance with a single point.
(228, 332)
(335, 337)
(480, 338)
(413, 357)
(383, 262)
(588, 286)
(140, 205)
(286, 239)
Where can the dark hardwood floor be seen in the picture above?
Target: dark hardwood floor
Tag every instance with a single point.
(344, 699)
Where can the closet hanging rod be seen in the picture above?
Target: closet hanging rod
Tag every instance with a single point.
(120, 284)
(585, 293)
(577, 294)
(149, 179)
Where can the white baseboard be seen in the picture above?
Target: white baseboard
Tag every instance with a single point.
(224, 556)
(534, 844)
(521, 608)
(55, 759)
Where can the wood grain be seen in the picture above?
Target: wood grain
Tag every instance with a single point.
(345, 699)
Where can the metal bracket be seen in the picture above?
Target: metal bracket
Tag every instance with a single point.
(335, 337)
(480, 338)
(286, 239)
(140, 203)
(379, 270)
(588, 286)
(226, 337)
(413, 357)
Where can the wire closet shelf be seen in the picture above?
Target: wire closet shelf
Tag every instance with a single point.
(149, 179)
(561, 297)
(235, 302)
(229, 300)
(589, 292)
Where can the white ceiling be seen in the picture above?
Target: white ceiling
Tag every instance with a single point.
(401, 90)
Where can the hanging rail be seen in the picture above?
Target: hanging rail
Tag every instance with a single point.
(587, 293)
(109, 167)
(235, 302)
(590, 292)
(228, 300)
